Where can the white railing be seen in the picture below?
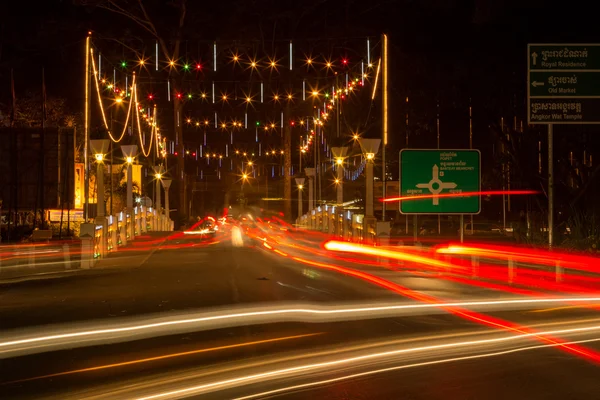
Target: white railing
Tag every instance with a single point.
(116, 230)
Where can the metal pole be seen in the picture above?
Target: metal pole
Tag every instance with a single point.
(340, 184)
(111, 166)
(299, 202)
(406, 216)
(100, 189)
(319, 172)
(462, 228)
(314, 182)
(438, 146)
(86, 129)
(550, 186)
(158, 205)
(415, 229)
(369, 190)
(384, 116)
(503, 180)
(471, 143)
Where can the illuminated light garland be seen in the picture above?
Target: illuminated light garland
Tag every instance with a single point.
(153, 130)
(96, 77)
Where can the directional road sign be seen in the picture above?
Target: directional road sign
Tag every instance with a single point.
(436, 174)
(563, 83)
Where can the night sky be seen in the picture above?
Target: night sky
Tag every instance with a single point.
(451, 52)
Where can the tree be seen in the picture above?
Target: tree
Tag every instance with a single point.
(28, 113)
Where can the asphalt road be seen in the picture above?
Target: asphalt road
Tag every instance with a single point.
(179, 274)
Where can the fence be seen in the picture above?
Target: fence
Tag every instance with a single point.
(96, 240)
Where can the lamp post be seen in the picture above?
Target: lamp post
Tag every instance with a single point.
(310, 174)
(166, 184)
(99, 149)
(158, 173)
(129, 152)
(339, 153)
(369, 147)
(300, 183)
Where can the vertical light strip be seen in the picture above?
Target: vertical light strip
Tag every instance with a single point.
(368, 52)
(282, 119)
(99, 66)
(362, 73)
(384, 84)
(126, 84)
(304, 90)
(178, 120)
(291, 55)
(226, 150)
(246, 120)
(205, 137)
(216, 122)
(215, 57)
(156, 56)
(86, 124)
(262, 92)
(231, 137)
(114, 79)
(259, 149)
(346, 80)
(169, 89)
(213, 92)
(376, 79)
(257, 135)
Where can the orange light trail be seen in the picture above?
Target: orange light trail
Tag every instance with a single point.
(589, 354)
(167, 356)
(463, 194)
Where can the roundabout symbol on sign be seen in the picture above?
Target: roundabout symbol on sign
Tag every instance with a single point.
(435, 185)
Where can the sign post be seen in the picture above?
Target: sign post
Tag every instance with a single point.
(563, 87)
(435, 174)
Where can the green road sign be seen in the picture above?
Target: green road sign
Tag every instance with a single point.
(563, 85)
(564, 56)
(436, 174)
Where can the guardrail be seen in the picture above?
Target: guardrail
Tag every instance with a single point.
(347, 223)
(97, 239)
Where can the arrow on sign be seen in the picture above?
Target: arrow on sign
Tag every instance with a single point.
(534, 57)
(536, 83)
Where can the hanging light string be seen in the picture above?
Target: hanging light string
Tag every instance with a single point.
(139, 126)
(96, 78)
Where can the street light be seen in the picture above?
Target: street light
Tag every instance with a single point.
(369, 147)
(310, 174)
(339, 153)
(300, 183)
(158, 174)
(166, 184)
(99, 149)
(129, 152)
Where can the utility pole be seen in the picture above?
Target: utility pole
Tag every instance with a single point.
(384, 118)
(86, 129)
(287, 163)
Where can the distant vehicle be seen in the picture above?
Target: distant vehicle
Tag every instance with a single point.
(483, 229)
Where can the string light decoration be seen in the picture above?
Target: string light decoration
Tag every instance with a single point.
(229, 96)
(117, 100)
